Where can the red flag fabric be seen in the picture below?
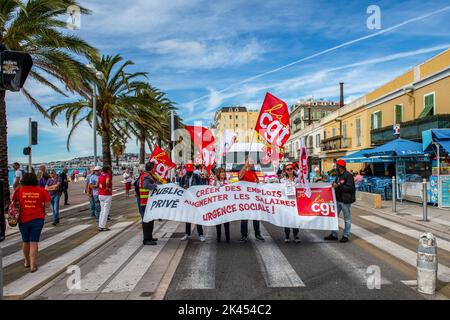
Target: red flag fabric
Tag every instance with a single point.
(273, 121)
(163, 164)
(203, 141)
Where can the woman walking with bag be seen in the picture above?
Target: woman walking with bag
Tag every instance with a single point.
(220, 181)
(32, 201)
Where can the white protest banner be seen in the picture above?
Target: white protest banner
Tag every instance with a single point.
(207, 205)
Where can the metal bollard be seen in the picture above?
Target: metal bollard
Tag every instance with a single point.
(427, 264)
(394, 195)
(425, 201)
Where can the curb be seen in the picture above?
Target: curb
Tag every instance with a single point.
(441, 229)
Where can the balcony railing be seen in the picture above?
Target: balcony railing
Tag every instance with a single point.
(410, 130)
(336, 143)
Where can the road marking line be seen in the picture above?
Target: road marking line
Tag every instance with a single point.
(394, 249)
(32, 280)
(127, 279)
(92, 281)
(14, 239)
(201, 265)
(344, 260)
(276, 269)
(441, 243)
(17, 256)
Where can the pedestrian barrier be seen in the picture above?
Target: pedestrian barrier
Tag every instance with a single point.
(427, 264)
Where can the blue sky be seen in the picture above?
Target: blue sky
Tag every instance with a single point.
(194, 49)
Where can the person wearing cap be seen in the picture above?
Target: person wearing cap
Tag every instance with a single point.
(191, 179)
(92, 191)
(291, 177)
(248, 174)
(147, 182)
(344, 186)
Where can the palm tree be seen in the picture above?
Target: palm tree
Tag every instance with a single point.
(148, 118)
(35, 27)
(115, 94)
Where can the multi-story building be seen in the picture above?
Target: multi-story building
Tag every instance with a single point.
(303, 114)
(418, 100)
(236, 119)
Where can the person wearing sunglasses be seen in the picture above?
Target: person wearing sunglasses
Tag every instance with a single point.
(290, 179)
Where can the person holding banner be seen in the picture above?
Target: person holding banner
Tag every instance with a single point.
(191, 179)
(290, 181)
(220, 180)
(147, 182)
(248, 174)
(344, 186)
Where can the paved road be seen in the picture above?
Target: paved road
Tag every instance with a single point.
(115, 265)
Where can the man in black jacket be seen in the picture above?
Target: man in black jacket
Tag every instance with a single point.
(191, 179)
(344, 187)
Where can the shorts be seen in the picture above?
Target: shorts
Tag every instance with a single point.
(127, 186)
(31, 230)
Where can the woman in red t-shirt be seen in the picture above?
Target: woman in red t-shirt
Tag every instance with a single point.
(32, 201)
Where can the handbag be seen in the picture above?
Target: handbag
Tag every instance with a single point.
(13, 213)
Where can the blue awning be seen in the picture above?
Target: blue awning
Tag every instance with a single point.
(396, 148)
(358, 157)
(440, 136)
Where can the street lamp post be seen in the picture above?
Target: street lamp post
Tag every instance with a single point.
(99, 75)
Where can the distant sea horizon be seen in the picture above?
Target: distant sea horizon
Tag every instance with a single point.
(58, 171)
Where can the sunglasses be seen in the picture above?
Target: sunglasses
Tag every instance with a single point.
(289, 169)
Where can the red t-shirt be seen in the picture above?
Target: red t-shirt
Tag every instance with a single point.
(31, 200)
(103, 189)
(250, 176)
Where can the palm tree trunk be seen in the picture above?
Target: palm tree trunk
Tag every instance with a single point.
(106, 146)
(4, 146)
(142, 149)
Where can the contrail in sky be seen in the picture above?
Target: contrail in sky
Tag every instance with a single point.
(348, 43)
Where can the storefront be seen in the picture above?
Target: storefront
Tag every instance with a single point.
(401, 158)
(437, 143)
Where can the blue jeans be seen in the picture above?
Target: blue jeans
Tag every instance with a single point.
(54, 201)
(345, 208)
(94, 206)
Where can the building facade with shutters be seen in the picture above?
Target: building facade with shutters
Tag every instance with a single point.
(417, 100)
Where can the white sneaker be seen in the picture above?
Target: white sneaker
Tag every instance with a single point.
(185, 237)
(287, 240)
(202, 238)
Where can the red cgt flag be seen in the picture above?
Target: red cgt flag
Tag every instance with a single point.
(273, 121)
(203, 141)
(163, 164)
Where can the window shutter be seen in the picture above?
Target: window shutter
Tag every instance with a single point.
(379, 120)
(372, 122)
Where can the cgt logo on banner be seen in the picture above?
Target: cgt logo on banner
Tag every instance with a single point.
(162, 162)
(206, 205)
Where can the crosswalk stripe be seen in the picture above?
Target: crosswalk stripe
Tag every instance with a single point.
(441, 243)
(127, 279)
(276, 269)
(395, 250)
(94, 280)
(17, 256)
(201, 265)
(31, 280)
(14, 239)
(344, 260)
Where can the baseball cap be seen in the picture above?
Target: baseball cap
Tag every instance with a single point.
(189, 167)
(341, 163)
(97, 168)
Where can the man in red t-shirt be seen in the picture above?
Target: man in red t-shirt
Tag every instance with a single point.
(105, 197)
(248, 174)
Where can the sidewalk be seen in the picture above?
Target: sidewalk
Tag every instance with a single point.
(78, 201)
(412, 213)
